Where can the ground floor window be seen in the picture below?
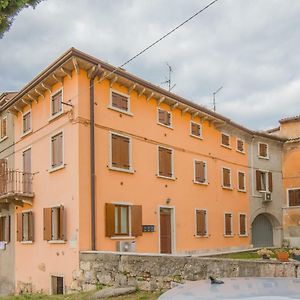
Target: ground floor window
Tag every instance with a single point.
(294, 197)
(57, 285)
(25, 227)
(5, 229)
(54, 224)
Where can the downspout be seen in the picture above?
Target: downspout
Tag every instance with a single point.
(92, 155)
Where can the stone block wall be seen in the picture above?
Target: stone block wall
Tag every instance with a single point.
(156, 272)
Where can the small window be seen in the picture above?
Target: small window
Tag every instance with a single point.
(241, 181)
(196, 130)
(242, 223)
(119, 101)
(57, 151)
(5, 229)
(225, 140)
(123, 220)
(57, 285)
(56, 103)
(54, 224)
(240, 147)
(263, 150)
(164, 117)
(264, 181)
(226, 178)
(228, 224)
(120, 152)
(165, 162)
(201, 222)
(294, 197)
(25, 227)
(200, 171)
(27, 122)
(3, 127)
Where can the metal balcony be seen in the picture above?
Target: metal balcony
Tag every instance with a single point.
(16, 186)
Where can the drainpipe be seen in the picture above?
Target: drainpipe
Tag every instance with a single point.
(92, 155)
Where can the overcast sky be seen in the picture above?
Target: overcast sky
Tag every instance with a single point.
(250, 47)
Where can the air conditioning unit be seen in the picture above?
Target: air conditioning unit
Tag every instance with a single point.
(266, 196)
(126, 246)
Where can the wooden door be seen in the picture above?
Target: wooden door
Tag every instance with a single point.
(165, 230)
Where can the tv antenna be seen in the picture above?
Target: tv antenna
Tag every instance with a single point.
(168, 80)
(214, 98)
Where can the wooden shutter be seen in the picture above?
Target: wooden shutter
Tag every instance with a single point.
(200, 171)
(54, 151)
(3, 127)
(196, 129)
(225, 140)
(270, 181)
(263, 150)
(62, 223)
(292, 197)
(161, 161)
(109, 219)
(124, 153)
(258, 180)
(165, 162)
(19, 227)
(120, 152)
(240, 145)
(136, 220)
(56, 103)
(115, 151)
(201, 222)
(30, 227)
(119, 101)
(3, 175)
(226, 177)
(242, 224)
(228, 230)
(161, 116)
(7, 229)
(241, 181)
(47, 224)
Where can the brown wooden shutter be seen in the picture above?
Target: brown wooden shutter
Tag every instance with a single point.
(54, 151)
(225, 140)
(292, 196)
(297, 197)
(240, 145)
(124, 153)
(161, 116)
(47, 224)
(7, 229)
(165, 162)
(109, 219)
(228, 230)
(258, 180)
(200, 171)
(226, 177)
(30, 227)
(136, 220)
(242, 224)
(60, 149)
(3, 175)
(270, 182)
(241, 181)
(263, 150)
(115, 150)
(201, 222)
(19, 227)
(62, 224)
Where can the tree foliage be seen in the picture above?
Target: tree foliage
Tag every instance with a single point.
(9, 9)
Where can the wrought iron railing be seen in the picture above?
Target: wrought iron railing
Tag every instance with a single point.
(15, 182)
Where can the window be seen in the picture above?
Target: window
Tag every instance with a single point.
(3, 127)
(120, 101)
(263, 150)
(200, 172)
(196, 130)
(57, 160)
(27, 122)
(228, 224)
(242, 225)
(225, 140)
(56, 103)
(240, 145)
(201, 222)
(165, 162)
(57, 285)
(241, 181)
(294, 197)
(264, 181)
(120, 153)
(54, 224)
(164, 118)
(123, 220)
(25, 227)
(226, 178)
(5, 229)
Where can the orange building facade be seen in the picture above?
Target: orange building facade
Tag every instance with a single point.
(113, 163)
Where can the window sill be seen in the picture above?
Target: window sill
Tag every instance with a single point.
(239, 151)
(122, 237)
(120, 110)
(196, 136)
(51, 118)
(202, 236)
(263, 157)
(51, 170)
(227, 147)
(291, 207)
(57, 242)
(242, 191)
(200, 183)
(165, 177)
(164, 125)
(26, 133)
(229, 235)
(229, 188)
(4, 138)
(130, 170)
(243, 235)
(27, 242)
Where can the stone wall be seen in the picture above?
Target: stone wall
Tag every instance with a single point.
(154, 272)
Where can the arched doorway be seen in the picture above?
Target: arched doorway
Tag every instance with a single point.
(262, 231)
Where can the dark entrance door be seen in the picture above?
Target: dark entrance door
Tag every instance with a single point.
(262, 232)
(165, 230)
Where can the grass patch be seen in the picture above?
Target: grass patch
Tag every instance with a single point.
(241, 255)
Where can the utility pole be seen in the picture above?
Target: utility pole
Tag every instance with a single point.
(214, 98)
(169, 79)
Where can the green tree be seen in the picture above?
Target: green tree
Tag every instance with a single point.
(9, 9)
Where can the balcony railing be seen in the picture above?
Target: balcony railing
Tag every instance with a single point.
(15, 184)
